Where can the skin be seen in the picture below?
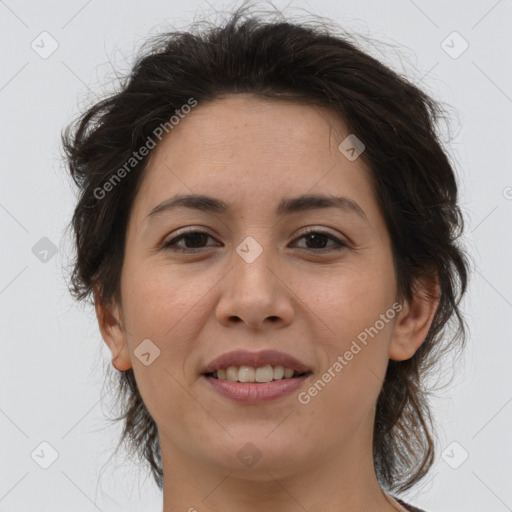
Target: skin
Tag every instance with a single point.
(295, 297)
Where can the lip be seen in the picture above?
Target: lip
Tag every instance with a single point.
(255, 393)
(255, 359)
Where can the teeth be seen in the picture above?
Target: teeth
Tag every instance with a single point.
(264, 374)
(288, 373)
(231, 373)
(245, 373)
(278, 372)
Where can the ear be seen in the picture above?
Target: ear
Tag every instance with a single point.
(415, 319)
(113, 332)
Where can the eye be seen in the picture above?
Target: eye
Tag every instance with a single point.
(318, 238)
(196, 238)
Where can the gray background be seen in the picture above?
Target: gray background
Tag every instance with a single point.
(53, 358)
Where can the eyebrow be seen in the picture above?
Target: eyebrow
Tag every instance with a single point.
(287, 206)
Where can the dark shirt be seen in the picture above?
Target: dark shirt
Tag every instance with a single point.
(407, 506)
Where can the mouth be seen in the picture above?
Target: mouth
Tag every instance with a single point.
(260, 375)
(248, 386)
(255, 377)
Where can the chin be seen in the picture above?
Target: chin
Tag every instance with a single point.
(255, 455)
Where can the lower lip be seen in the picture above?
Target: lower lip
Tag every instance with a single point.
(255, 393)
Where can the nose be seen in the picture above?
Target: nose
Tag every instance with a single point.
(255, 294)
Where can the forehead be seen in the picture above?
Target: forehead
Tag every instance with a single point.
(246, 149)
(240, 126)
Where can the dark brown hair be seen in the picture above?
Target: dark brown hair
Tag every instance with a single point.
(411, 174)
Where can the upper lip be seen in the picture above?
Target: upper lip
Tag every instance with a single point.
(255, 359)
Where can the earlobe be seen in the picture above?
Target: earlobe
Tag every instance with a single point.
(113, 332)
(415, 319)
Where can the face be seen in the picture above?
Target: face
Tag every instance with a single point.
(253, 279)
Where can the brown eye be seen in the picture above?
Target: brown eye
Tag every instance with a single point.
(192, 238)
(195, 240)
(316, 241)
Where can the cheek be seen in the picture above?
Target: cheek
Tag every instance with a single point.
(156, 299)
(159, 306)
(354, 354)
(354, 319)
(349, 298)
(168, 306)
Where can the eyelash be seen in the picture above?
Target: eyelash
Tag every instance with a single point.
(171, 244)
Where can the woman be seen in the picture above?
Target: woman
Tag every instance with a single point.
(268, 226)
